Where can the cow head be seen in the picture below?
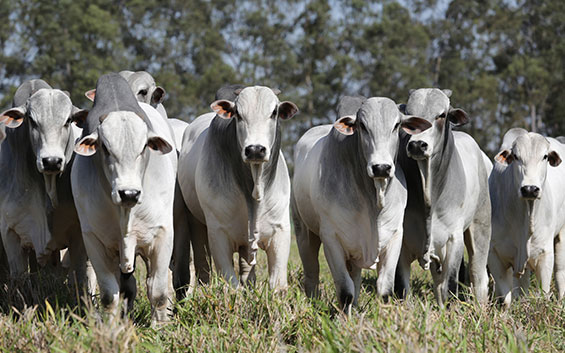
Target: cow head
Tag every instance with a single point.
(144, 87)
(256, 110)
(47, 114)
(377, 124)
(529, 155)
(433, 105)
(125, 143)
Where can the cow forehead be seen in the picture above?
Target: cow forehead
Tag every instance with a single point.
(379, 112)
(256, 102)
(123, 129)
(49, 104)
(141, 77)
(427, 103)
(530, 145)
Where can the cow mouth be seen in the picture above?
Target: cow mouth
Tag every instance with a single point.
(420, 156)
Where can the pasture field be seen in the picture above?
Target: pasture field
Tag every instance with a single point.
(218, 318)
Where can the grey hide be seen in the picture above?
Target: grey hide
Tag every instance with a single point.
(349, 105)
(38, 209)
(235, 182)
(349, 195)
(448, 200)
(123, 181)
(527, 188)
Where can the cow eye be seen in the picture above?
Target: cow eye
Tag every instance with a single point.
(396, 126)
(68, 122)
(32, 123)
(143, 92)
(442, 115)
(545, 157)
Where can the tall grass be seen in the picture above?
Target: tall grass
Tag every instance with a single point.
(40, 314)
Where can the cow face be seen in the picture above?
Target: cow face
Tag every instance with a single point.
(144, 87)
(256, 110)
(125, 143)
(47, 114)
(377, 124)
(433, 105)
(529, 156)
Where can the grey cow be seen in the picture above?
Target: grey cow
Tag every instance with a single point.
(527, 187)
(38, 211)
(448, 198)
(349, 195)
(123, 182)
(235, 182)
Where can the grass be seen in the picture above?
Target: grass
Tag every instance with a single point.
(218, 318)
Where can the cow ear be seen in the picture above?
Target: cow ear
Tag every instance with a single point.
(157, 143)
(78, 116)
(87, 145)
(346, 125)
(14, 117)
(287, 110)
(447, 92)
(554, 159)
(504, 157)
(158, 95)
(415, 125)
(90, 94)
(223, 108)
(457, 116)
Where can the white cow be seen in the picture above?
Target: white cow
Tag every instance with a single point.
(349, 195)
(123, 183)
(235, 182)
(527, 188)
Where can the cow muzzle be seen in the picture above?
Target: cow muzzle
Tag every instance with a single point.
(380, 171)
(51, 165)
(417, 150)
(530, 192)
(129, 197)
(255, 154)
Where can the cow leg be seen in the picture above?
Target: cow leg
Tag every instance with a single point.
(544, 269)
(16, 255)
(4, 267)
(106, 267)
(91, 278)
(502, 275)
(477, 242)
(355, 274)
(277, 257)
(200, 249)
(222, 253)
(246, 271)
(308, 248)
(128, 288)
(559, 248)
(402, 275)
(77, 257)
(181, 248)
(521, 285)
(335, 256)
(158, 277)
(388, 261)
(450, 269)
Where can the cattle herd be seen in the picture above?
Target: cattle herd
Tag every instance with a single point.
(383, 186)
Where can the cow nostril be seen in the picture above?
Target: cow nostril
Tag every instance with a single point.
(52, 163)
(129, 196)
(381, 170)
(423, 145)
(255, 152)
(530, 191)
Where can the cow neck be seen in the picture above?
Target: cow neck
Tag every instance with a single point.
(253, 182)
(436, 173)
(346, 153)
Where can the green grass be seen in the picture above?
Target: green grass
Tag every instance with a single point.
(218, 318)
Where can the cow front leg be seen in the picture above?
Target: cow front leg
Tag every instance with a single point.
(78, 258)
(335, 256)
(158, 277)
(181, 249)
(450, 261)
(544, 270)
(402, 275)
(246, 270)
(200, 249)
(16, 255)
(386, 268)
(559, 248)
(278, 252)
(477, 242)
(309, 248)
(355, 274)
(502, 274)
(521, 285)
(222, 253)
